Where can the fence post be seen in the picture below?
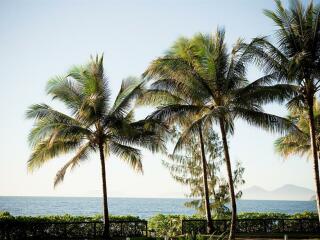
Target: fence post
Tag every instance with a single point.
(135, 228)
(7, 232)
(94, 229)
(247, 226)
(225, 225)
(300, 223)
(65, 229)
(182, 227)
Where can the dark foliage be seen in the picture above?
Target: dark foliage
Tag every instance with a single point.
(265, 226)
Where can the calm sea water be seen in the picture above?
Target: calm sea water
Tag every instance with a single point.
(142, 207)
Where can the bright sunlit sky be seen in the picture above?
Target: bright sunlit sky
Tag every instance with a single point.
(42, 38)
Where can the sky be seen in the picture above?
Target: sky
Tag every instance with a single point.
(40, 39)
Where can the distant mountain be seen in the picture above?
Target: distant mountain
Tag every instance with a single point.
(286, 192)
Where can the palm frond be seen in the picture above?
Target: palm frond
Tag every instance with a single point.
(48, 149)
(264, 120)
(173, 112)
(157, 98)
(293, 144)
(67, 91)
(81, 155)
(130, 155)
(267, 94)
(149, 134)
(190, 131)
(130, 89)
(49, 122)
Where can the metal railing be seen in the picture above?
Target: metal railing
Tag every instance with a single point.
(71, 230)
(139, 228)
(264, 226)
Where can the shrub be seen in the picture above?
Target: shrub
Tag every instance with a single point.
(5, 215)
(166, 225)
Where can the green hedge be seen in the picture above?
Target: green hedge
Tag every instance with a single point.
(6, 216)
(255, 215)
(162, 224)
(66, 226)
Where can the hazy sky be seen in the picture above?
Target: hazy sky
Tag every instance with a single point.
(42, 38)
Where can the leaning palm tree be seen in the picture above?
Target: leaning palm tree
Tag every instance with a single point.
(215, 83)
(297, 142)
(92, 125)
(295, 61)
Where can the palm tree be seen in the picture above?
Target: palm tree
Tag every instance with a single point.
(297, 142)
(214, 82)
(92, 125)
(295, 61)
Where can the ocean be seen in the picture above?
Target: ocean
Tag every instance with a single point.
(142, 207)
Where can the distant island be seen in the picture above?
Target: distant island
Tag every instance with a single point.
(286, 192)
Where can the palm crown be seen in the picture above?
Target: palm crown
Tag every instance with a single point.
(296, 57)
(199, 78)
(93, 121)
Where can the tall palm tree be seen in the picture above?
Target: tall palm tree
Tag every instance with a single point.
(297, 142)
(92, 125)
(215, 81)
(295, 60)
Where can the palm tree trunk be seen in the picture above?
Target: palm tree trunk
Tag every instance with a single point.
(106, 230)
(205, 183)
(314, 151)
(230, 180)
